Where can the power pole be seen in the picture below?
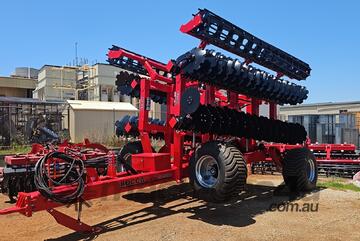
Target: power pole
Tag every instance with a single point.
(76, 54)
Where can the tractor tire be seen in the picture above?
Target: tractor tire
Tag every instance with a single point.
(125, 154)
(300, 171)
(217, 171)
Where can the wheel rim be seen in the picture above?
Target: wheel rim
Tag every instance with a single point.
(311, 170)
(207, 171)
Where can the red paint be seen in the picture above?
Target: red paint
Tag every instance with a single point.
(150, 162)
(192, 24)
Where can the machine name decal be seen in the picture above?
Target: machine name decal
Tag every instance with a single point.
(132, 182)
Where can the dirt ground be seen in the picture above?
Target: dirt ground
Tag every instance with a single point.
(169, 212)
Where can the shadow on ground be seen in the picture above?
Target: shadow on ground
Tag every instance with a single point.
(176, 199)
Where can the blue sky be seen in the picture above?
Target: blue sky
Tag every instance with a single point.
(325, 34)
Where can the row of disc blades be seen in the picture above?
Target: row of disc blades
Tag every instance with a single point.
(123, 83)
(225, 121)
(134, 123)
(216, 30)
(216, 69)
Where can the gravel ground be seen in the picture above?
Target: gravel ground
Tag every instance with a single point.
(169, 212)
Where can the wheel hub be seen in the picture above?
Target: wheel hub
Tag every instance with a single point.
(206, 171)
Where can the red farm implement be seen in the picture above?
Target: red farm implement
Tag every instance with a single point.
(18, 173)
(212, 127)
(332, 159)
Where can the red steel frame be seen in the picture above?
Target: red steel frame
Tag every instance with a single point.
(113, 183)
(37, 151)
(327, 149)
(275, 151)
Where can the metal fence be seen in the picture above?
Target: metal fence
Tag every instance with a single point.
(26, 122)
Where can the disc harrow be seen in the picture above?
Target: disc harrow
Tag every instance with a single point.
(225, 121)
(213, 29)
(128, 126)
(337, 159)
(207, 138)
(124, 83)
(216, 69)
(19, 171)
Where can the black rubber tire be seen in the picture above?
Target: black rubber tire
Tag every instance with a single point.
(296, 174)
(232, 171)
(126, 151)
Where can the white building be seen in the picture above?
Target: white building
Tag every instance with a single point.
(92, 83)
(56, 83)
(329, 122)
(99, 82)
(94, 119)
(70, 83)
